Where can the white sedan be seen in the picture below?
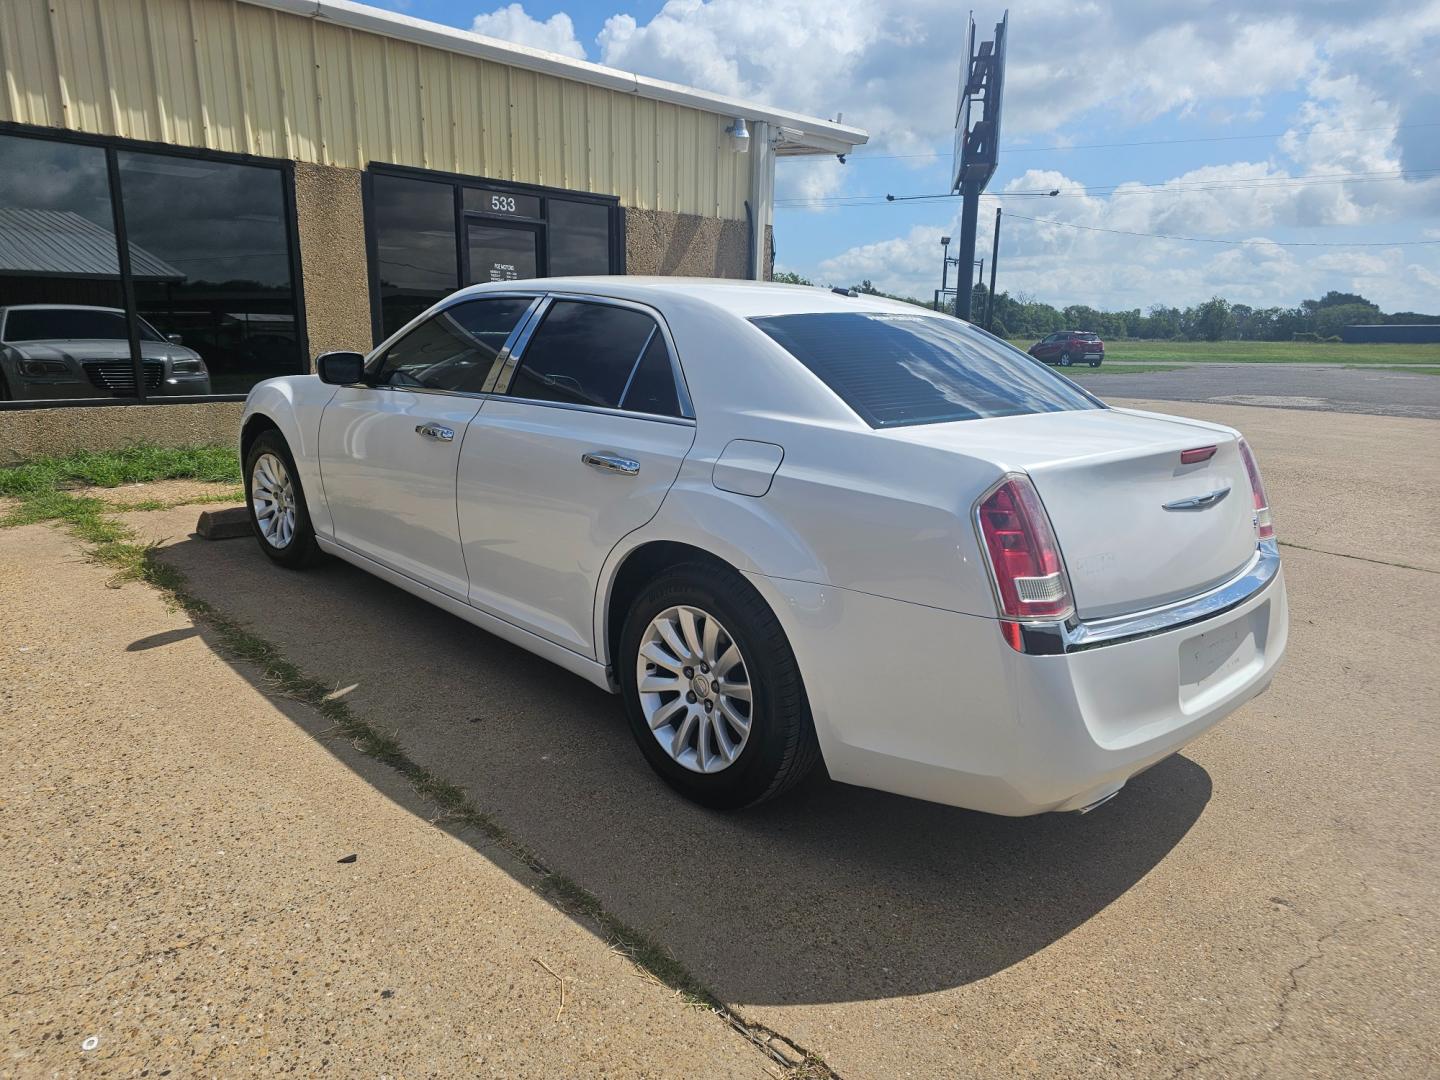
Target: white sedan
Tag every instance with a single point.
(789, 525)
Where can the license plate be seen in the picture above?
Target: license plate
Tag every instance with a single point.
(1218, 660)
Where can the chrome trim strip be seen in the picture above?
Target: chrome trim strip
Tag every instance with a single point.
(1049, 639)
(575, 406)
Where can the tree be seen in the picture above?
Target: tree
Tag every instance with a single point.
(789, 277)
(1210, 319)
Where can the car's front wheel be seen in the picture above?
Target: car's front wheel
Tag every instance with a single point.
(276, 500)
(1064, 359)
(712, 689)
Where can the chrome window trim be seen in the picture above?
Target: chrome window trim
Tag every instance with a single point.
(677, 372)
(575, 406)
(1077, 636)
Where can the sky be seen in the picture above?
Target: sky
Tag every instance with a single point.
(1306, 133)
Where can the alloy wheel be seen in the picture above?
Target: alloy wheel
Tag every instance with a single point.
(695, 689)
(272, 497)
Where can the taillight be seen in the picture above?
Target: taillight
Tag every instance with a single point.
(1025, 562)
(1257, 488)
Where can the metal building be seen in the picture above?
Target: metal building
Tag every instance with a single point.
(256, 181)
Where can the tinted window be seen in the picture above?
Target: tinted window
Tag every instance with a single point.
(57, 246)
(579, 238)
(652, 387)
(583, 353)
(215, 236)
(455, 349)
(895, 369)
(415, 252)
(52, 324)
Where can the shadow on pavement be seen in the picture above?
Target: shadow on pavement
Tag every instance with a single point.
(832, 894)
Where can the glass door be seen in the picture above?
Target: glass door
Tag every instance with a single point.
(501, 251)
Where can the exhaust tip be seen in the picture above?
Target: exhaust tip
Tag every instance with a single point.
(1098, 802)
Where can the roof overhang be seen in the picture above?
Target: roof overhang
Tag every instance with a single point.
(800, 134)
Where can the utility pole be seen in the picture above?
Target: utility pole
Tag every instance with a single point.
(977, 137)
(944, 264)
(994, 258)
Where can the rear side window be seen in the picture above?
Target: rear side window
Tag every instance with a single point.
(598, 354)
(895, 369)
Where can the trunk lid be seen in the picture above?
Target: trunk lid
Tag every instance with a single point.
(1106, 477)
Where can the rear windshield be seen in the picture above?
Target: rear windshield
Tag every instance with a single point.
(895, 369)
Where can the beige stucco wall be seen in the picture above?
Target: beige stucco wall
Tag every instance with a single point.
(685, 245)
(330, 213)
(30, 433)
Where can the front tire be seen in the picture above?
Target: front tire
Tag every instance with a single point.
(1065, 359)
(278, 512)
(712, 689)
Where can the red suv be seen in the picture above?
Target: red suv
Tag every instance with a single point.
(1070, 347)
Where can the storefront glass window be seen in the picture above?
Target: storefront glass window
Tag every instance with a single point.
(225, 288)
(63, 334)
(415, 253)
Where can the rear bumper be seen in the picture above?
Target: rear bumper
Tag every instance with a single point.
(936, 705)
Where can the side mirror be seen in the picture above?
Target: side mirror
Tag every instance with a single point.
(341, 368)
(174, 339)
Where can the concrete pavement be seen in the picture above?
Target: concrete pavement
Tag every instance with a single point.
(170, 837)
(1263, 904)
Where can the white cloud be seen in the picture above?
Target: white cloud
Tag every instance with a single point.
(512, 23)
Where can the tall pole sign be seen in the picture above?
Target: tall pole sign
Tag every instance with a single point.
(977, 136)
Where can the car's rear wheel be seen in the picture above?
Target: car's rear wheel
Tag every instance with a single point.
(712, 689)
(1065, 359)
(276, 500)
(1094, 363)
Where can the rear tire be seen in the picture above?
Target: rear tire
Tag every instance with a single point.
(1094, 363)
(276, 501)
(680, 619)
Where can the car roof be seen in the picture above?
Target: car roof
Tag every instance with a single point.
(747, 299)
(62, 307)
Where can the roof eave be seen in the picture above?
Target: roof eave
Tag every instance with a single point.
(807, 134)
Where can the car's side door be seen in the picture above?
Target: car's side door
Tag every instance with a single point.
(1046, 350)
(388, 449)
(577, 447)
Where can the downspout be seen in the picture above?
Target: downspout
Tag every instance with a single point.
(761, 204)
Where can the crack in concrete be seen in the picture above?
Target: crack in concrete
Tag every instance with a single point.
(1282, 1003)
(1359, 558)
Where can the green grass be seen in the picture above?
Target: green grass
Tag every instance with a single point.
(1128, 369)
(111, 468)
(1266, 352)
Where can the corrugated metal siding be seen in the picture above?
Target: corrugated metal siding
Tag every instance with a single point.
(229, 76)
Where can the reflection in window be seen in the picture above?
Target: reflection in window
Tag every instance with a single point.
(62, 333)
(454, 350)
(225, 289)
(896, 369)
(414, 246)
(583, 353)
(579, 238)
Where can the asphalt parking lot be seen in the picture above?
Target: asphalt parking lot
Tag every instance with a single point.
(1262, 904)
(1316, 387)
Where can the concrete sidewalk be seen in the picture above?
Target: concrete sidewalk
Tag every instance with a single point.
(170, 839)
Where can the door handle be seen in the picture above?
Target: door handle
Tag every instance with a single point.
(435, 431)
(607, 462)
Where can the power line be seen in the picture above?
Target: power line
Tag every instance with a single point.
(1216, 240)
(1314, 130)
(1169, 187)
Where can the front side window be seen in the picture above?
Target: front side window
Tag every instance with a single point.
(455, 349)
(594, 354)
(898, 369)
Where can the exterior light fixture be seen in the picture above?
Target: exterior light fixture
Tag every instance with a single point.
(739, 135)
